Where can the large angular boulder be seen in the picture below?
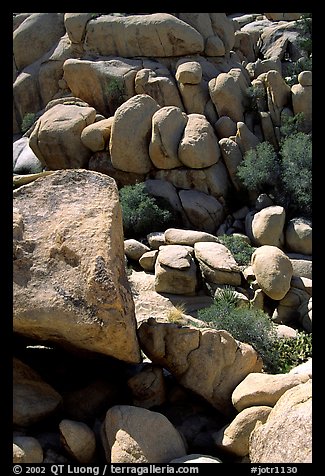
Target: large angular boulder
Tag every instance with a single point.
(217, 263)
(273, 271)
(137, 435)
(185, 351)
(154, 35)
(56, 138)
(33, 399)
(70, 285)
(133, 155)
(286, 437)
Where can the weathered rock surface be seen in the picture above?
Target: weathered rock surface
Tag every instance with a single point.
(137, 435)
(33, 399)
(24, 159)
(264, 389)
(158, 34)
(217, 263)
(148, 387)
(28, 450)
(267, 226)
(203, 211)
(198, 147)
(134, 249)
(56, 138)
(234, 437)
(273, 271)
(175, 270)
(137, 111)
(64, 290)
(78, 440)
(96, 135)
(176, 236)
(286, 437)
(168, 125)
(184, 351)
(40, 31)
(298, 235)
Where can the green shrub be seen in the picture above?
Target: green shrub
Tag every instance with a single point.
(259, 171)
(249, 325)
(239, 248)
(293, 351)
(286, 176)
(115, 93)
(28, 121)
(142, 213)
(254, 327)
(291, 125)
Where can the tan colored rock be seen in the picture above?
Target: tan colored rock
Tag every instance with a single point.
(305, 78)
(103, 84)
(225, 127)
(33, 399)
(212, 180)
(268, 129)
(175, 236)
(164, 189)
(302, 103)
(273, 271)
(78, 440)
(232, 157)
(148, 260)
(228, 94)
(41, 31)
(203, 211)
(162, 88)
(185, 351)
(175, 270)
(245, 138)
(134, 249)
(137, 435)
(156, 239)
(223, 27)
(278, 95)
(198, 147)
(286, 437)
(26, 97)
(189, 72)
(304, 368)
(56, 139)
(196, 100)
(283, 331)
(287, 310)
(302, 265)
(264, 389)
(75, 25)
(137, 113)
(268, 225)
(168, 125)
(148, 387)
(234, 438)
(217, 263)
(72, 244)
(153, 35)
(31, 449)
(96, 135)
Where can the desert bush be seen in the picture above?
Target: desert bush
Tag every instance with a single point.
(285, 176)
(293, 351)
(143, 213)
(239, 248)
